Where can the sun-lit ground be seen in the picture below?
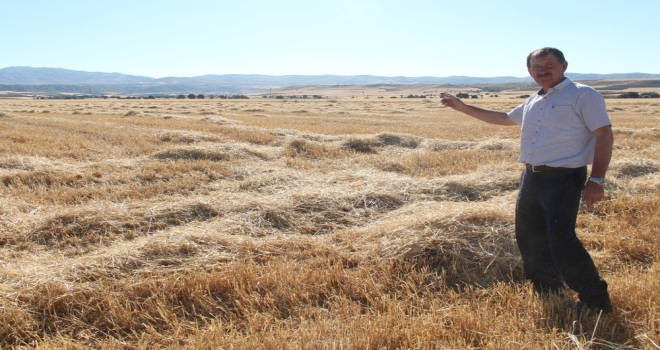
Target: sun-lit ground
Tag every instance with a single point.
(387, 92)
(309, 224)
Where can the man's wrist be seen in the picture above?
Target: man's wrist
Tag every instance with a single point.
(598, 180)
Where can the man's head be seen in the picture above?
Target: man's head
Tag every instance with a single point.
(547, 66)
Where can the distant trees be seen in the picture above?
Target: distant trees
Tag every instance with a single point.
(490, 89)
(201, 96)
(234, 96)
(634, 94)
(629, 94)
(462, 95)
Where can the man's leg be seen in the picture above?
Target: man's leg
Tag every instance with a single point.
(532, 236)
(571, 259)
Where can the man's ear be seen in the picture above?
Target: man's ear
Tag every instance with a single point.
(564, 66)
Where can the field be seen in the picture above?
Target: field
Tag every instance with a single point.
(608, 88)
(387, 91)
(310, 224)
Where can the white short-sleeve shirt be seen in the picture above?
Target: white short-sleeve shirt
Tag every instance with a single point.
(557, 127)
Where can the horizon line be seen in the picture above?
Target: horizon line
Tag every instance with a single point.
(326, 74)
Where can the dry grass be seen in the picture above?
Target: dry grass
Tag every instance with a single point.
(318, 224)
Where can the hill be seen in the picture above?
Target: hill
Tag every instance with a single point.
(59, 76)
(57, 80)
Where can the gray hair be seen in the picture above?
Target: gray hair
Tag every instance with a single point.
(545, 51)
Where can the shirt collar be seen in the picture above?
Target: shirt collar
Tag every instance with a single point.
(564, 83)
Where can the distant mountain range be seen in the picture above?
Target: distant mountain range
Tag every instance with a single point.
(58, 80)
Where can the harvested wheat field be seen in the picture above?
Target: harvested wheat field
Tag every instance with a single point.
(317, 224)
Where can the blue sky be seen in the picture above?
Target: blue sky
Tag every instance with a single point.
(390, 38)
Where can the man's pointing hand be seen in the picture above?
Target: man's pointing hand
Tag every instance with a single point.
(452, 102)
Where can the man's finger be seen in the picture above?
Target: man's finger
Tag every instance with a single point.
(589, 202)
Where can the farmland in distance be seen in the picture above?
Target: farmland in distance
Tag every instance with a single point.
(301, 224)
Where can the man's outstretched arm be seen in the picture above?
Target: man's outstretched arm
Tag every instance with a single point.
(488, 116)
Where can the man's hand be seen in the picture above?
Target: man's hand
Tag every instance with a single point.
(592, 193)
(452, 102)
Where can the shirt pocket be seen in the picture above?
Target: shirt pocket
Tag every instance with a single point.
(562, 109)
(566, 120)
(564, 114)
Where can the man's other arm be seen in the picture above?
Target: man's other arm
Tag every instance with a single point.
(594, 192)
(488, 116)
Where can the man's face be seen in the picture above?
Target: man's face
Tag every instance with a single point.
(547, 71)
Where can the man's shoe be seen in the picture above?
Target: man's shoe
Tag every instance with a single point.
(582, 308)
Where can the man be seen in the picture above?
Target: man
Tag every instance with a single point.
(565, 127)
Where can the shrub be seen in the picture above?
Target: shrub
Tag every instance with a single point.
(191, 96)
(361, 145)
(629, 94)
(408, 141)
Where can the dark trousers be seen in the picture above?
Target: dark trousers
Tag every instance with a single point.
(546, 212)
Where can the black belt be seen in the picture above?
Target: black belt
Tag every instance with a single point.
(543, 168)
